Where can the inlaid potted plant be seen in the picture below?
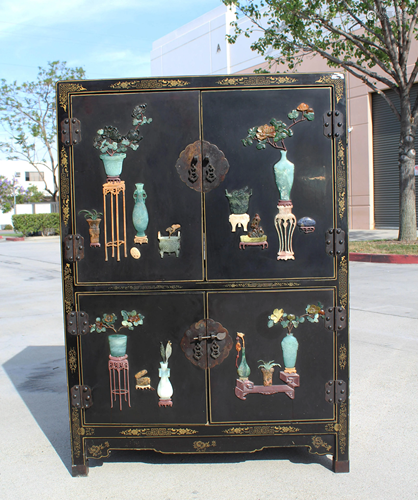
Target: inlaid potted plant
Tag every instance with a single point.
(267, 369)
(117, 341)
(274, 135)
(93, 219)
(289, 322)
(113, 145)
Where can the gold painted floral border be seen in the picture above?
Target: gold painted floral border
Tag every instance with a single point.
(68, 288)
(65, 89)
(341, 179)
(257, 80)
(149, 84)
(158, 431)
(336, 81)
(99, 450)
(200, 446)
(343, 281)
(72, 360)
(265, 430)
(320, 446)
(64, 187)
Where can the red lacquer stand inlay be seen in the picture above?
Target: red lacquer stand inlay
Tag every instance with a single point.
(119, 385)
(245, 387)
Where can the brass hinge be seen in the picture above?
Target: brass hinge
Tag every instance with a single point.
(70, 131)
(81, 396)
(335, 318)
(335, 391)
(333, 124)
(73, 247)
(77, 323)
(335, 242)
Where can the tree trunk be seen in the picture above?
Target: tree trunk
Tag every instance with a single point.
(407, 212)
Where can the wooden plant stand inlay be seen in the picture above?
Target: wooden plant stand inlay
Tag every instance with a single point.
(114, 189)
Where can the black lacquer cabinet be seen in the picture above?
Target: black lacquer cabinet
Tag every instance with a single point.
(205, 264)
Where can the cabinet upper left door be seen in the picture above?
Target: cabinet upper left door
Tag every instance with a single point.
(148, 225)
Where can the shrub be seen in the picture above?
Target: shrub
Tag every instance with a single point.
(34, 223)
(8, 227)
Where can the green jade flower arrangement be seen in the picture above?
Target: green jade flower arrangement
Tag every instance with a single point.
(117, 342)
(110, 141)
(276, 133)
(289, 321)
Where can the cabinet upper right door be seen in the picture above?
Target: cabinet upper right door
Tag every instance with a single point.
(267, 220)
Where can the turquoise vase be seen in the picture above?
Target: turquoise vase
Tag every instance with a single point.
(290, 350)
(284, 173)
(243, 368)
(113, 164)
(140, 213)
(117, 345)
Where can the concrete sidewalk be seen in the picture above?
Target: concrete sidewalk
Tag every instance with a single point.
(34, 431)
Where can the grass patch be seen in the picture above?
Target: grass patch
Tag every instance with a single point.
(384, 247)
(11, 234)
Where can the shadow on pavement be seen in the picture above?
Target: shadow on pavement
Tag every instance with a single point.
(38, 374)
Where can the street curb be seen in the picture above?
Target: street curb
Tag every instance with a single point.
(383, 258)
(15, 238)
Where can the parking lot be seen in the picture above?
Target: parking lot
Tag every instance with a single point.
(35, 455)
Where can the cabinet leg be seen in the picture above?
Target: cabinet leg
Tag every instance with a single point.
(80, 470)
(341, 465)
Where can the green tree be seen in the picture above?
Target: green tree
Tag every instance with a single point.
(28, 116)
(370, 39)
(11, 190)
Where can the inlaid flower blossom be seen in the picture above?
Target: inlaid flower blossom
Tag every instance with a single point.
(290, 321)
(277, 131)
(107, 322)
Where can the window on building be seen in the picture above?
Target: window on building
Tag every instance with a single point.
(34, 176)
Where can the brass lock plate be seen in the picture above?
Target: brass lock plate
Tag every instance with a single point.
(202, 166)
(206, 343)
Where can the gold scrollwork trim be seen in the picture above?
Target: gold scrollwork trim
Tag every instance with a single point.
(72, 360)
(203, 446)
(318, 443)
(343, 281)
(341, 179)
(342, 435)
(333, 427)
(75, 420)
(336, 81)
(261, 285)
(86, 431)
(65, 89)
(149, 84)
(68, 288)
(64, 187)
(257, 80)
(158, 431)
(265, 429)
(342, 356)
(96, 451)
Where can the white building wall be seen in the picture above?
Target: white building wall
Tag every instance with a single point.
(9, 168)
(200, 47)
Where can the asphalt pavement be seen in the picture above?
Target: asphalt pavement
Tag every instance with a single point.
(35, 452)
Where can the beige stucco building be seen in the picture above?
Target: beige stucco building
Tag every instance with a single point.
(200, 47)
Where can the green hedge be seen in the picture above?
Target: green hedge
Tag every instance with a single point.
(35, 223)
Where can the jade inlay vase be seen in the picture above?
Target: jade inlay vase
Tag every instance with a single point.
(113, 164)
(140, 213)
(284, 172)
(290, 349)
(117, 345)
(243, 368)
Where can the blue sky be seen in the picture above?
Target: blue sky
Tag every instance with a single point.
(109, 39)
